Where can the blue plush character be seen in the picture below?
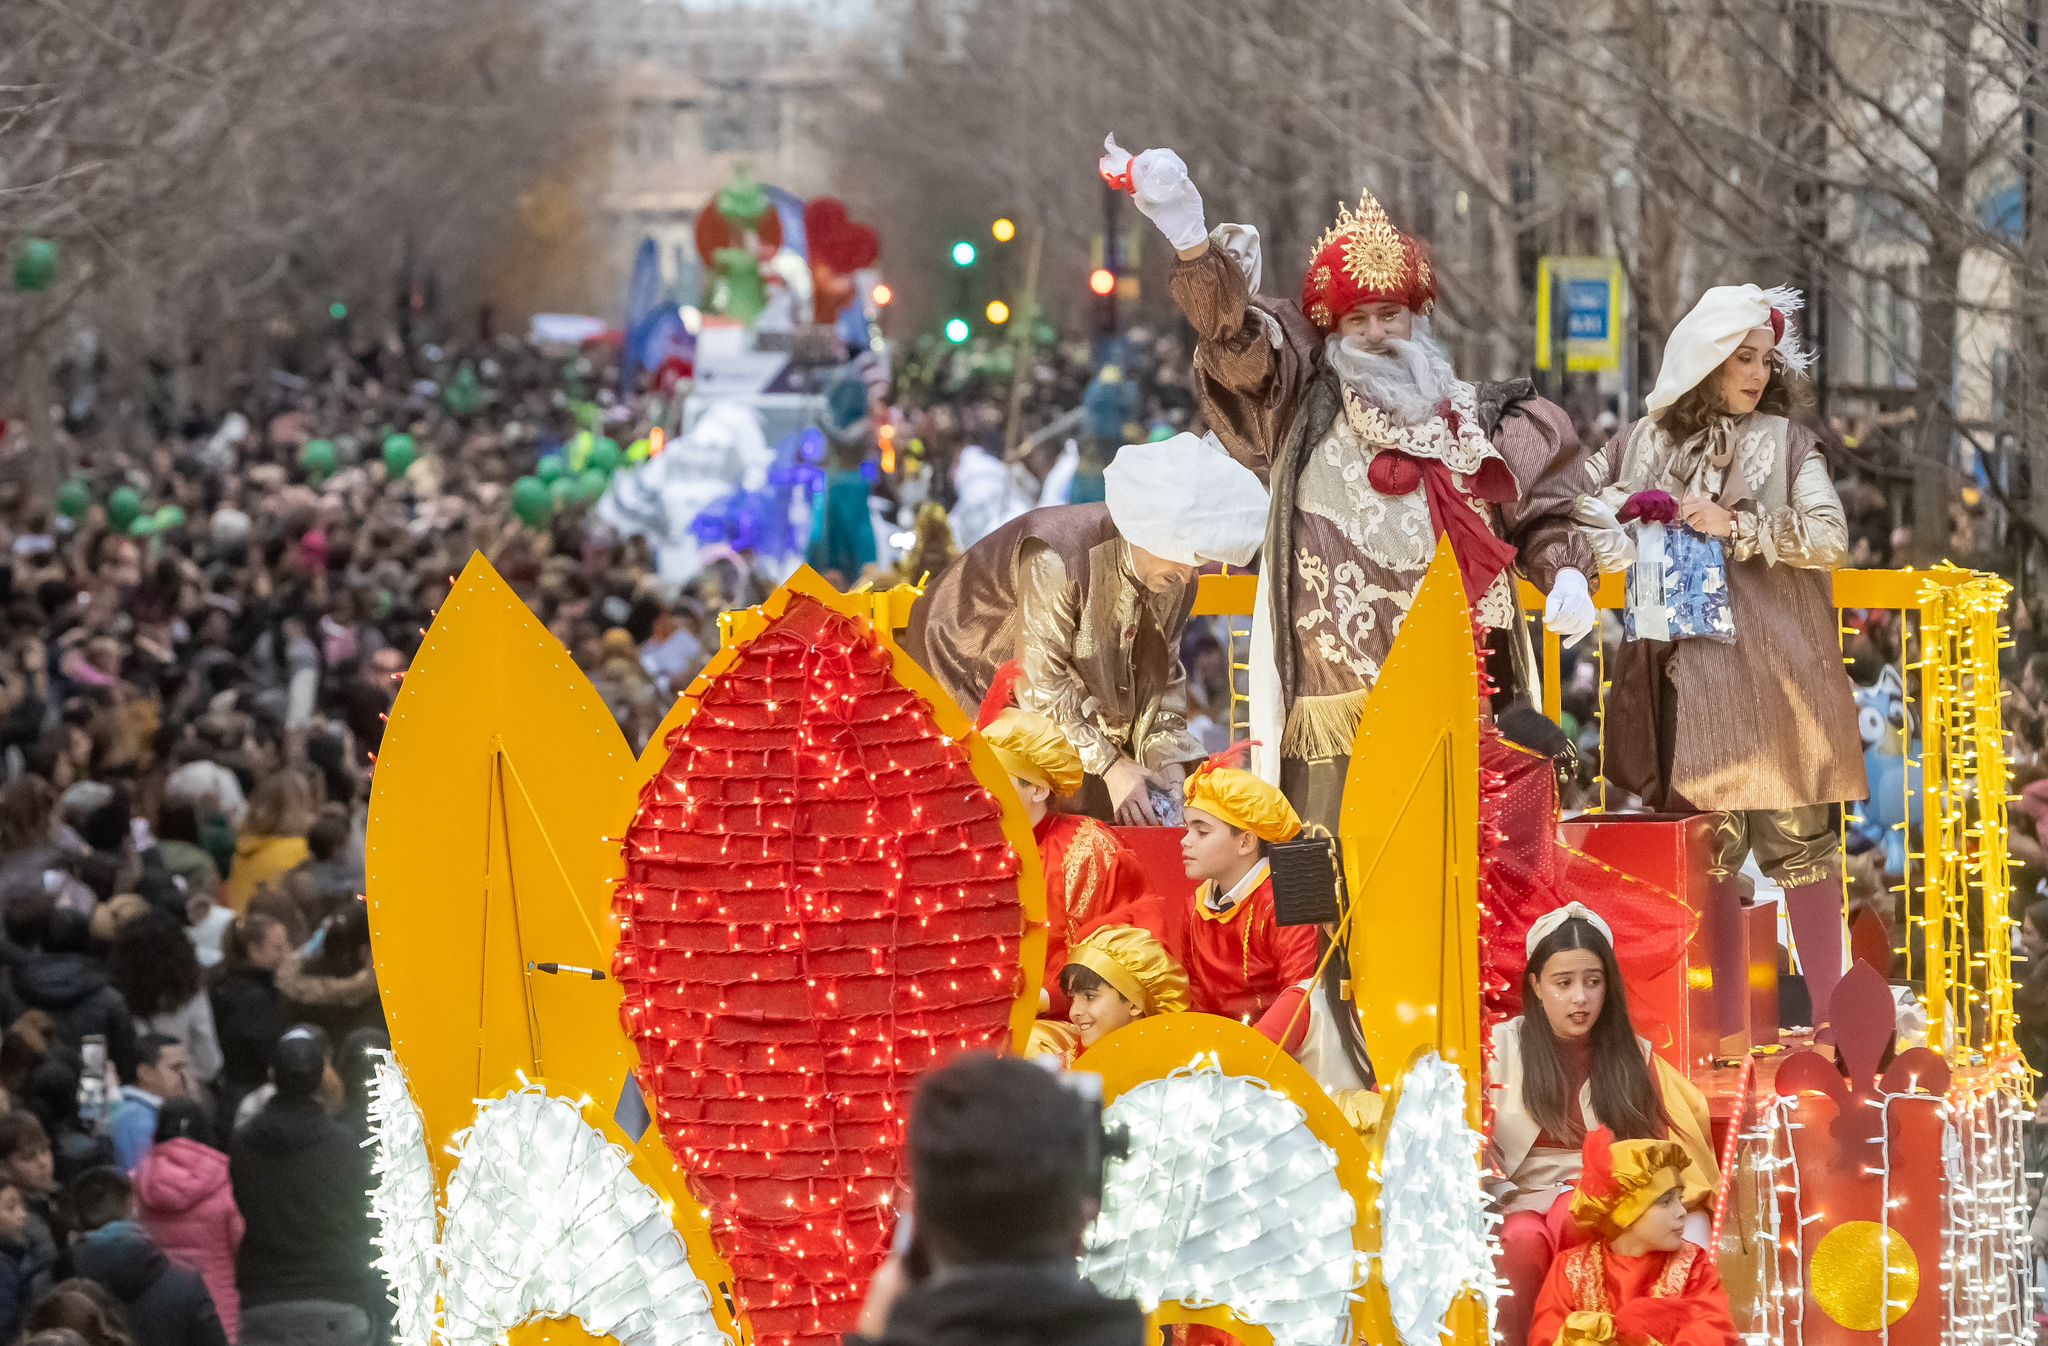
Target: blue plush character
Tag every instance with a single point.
(1881, 716)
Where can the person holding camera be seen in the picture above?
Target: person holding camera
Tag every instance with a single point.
(1006, 1173)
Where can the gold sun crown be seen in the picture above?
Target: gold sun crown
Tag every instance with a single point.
(1375, 252)
(1363, 257)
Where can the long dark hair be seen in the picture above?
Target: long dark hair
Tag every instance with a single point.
(1700, 405)
(1336, 972)
(1624, 1095)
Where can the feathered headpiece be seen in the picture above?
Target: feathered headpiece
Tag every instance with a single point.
(1364, 259)
(1237, 798)
(1717, 325)
(1623, 1179)
(1001, 691)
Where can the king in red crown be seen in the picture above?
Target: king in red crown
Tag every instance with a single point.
(1372, 448)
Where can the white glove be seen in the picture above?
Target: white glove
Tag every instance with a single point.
(1160, 186)
(1570, 613)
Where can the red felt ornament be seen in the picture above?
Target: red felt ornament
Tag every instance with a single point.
(819, 905)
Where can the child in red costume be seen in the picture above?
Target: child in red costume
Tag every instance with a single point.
(1638, 1283)
(1241, 963)
(1091, 877)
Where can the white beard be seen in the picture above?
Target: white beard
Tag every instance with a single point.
(1408, 380)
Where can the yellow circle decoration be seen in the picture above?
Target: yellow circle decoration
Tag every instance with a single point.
(1864, 1276)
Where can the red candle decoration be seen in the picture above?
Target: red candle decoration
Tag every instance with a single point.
(819, 905)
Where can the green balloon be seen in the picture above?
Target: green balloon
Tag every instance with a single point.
(639, 451)
(590, 485)
(743, 201)
(549, 468)
(606, 456)
(146, 526)
(401, 451)
(123, 506)
(580, 449)
(170, 517)
(531, 501)
(463, 395)
(74, 498)
(562, 490)
(317, 460)
(35, 266)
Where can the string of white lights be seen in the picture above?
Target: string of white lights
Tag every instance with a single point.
(1441, 1237)
(402, 1203)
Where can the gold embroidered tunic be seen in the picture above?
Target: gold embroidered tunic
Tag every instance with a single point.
(1101, 653)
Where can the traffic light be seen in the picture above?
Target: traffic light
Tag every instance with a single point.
(1102, 281)
(998, 312)
(956, 330)
(1004, 229)
(963, 253)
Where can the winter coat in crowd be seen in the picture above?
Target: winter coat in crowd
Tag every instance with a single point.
(166, 1305)
(189, 863)
(258, 860)
(26, 1272)
(1009, 1304)
(302, 1183)
(184, 1199)
(74, 991)
(339, 1003)
(249, 1017)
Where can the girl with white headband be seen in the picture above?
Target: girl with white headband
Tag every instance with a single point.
(1571, 1063)
(1761, 731)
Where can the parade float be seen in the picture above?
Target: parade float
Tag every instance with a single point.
(656, 1021)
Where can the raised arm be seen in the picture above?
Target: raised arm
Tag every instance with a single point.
(1252, 358)
(1542, 450)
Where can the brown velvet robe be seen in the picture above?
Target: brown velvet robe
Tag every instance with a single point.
(1768, 722)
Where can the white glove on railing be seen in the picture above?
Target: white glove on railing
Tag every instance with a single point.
(1570, 613)
(1159, 184)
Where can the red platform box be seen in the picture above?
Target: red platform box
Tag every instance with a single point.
(1687, 1008)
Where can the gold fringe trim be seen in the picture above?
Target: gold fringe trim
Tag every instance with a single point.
(1323, 726)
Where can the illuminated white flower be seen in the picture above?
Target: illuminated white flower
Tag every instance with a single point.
(1438, 1239)
(546, 1220)
(1228, 1198)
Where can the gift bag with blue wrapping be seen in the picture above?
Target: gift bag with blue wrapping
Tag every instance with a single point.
(1678, 587)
